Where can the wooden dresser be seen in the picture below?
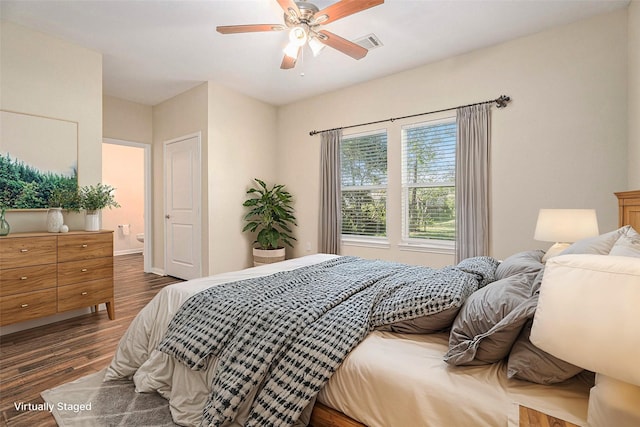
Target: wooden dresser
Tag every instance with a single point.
(46, 273)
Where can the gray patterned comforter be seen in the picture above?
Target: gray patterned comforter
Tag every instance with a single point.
(278, 339)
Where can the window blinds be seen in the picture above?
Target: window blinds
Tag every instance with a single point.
(364, 184)
(428, 180)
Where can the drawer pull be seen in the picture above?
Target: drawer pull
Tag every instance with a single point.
(24, 305)
(24, 250)
(84, 270)
(24, 278)
(83, 293)
(84, 246)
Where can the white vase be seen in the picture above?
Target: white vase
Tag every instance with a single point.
(54, 220)
(92, 220)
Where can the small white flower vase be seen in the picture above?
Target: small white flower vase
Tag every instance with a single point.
(92, 221)
(54, 220)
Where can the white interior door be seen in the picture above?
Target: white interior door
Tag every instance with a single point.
(182, 207)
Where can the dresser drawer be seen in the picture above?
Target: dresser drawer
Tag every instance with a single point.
(26, 306)
(85, 270)
(84, 294)
(27, 279)
(84, 246)
(24, 251)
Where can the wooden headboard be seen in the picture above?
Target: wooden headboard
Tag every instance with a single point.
(629, 206)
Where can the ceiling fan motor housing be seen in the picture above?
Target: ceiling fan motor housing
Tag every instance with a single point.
(307, 10)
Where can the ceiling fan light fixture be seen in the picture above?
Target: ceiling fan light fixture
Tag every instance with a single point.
(298, 36)
(292, 50)
(316, 46)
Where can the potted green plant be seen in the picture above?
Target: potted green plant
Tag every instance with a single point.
(94, 198)
(271, 217)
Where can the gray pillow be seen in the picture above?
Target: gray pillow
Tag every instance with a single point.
(528, 362)
(521, 262)
(626, 246)
(491, 320)
(598, 245)
(424, 325)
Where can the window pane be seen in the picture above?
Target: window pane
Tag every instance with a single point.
(431, 212)
(364, 212)
(364, 160)
(428, 179)
(430, 154)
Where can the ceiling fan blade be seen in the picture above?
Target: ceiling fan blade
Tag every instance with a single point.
(343, 45)
(289, 62)
(343, 8)
(290, 9)
(234, 29)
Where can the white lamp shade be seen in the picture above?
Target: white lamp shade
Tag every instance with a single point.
(566, 225)
(588, 314)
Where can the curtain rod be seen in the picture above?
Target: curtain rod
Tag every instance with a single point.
(500, 101)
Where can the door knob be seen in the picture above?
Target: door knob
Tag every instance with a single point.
(167, 216)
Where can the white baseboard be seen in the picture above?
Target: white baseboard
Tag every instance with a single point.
(158, 271)
(127, 252)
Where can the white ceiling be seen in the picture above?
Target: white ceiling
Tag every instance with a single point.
(153, 50)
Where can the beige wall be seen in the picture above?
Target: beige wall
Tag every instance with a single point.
(238, 140)
(126, 120)
(562, 142)
(634, 95)
(242, 141)
(184, 114)
(45, 76)
(123, 169)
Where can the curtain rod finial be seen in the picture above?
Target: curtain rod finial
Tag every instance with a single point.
(502, 101)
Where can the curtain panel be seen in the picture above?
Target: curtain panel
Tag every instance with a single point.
(472, 181)
(330, 218)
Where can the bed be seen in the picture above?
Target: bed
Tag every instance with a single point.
(391, 378)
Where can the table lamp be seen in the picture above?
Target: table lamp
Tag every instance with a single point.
(564, 226)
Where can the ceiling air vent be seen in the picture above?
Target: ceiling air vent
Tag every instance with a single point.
(369, 42)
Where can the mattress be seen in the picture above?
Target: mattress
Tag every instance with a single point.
(400, 380)
(388, 380)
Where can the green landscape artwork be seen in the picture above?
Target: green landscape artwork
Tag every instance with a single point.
(38, 160)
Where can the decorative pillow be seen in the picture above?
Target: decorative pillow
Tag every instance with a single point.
(626, 246)
(599, 245)
(528, 362)
(521, 262)
(490, 321)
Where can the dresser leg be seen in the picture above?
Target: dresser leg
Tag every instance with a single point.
(110, 309)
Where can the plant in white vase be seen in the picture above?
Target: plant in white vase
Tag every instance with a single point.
(94, 198)
(271, 217)
(59, 199)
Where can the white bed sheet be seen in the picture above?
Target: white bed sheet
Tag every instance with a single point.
(389, 380)
(401, 380)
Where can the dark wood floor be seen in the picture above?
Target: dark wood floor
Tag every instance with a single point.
(37, 359)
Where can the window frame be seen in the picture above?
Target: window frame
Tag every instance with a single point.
(359, 239)
(411, 243)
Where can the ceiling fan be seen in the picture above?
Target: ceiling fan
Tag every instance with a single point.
(303, 19)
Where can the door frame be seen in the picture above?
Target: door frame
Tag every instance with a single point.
(198, 199)
(148, 208)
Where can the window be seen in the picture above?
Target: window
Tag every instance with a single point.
(428, 180)
(364, 184)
